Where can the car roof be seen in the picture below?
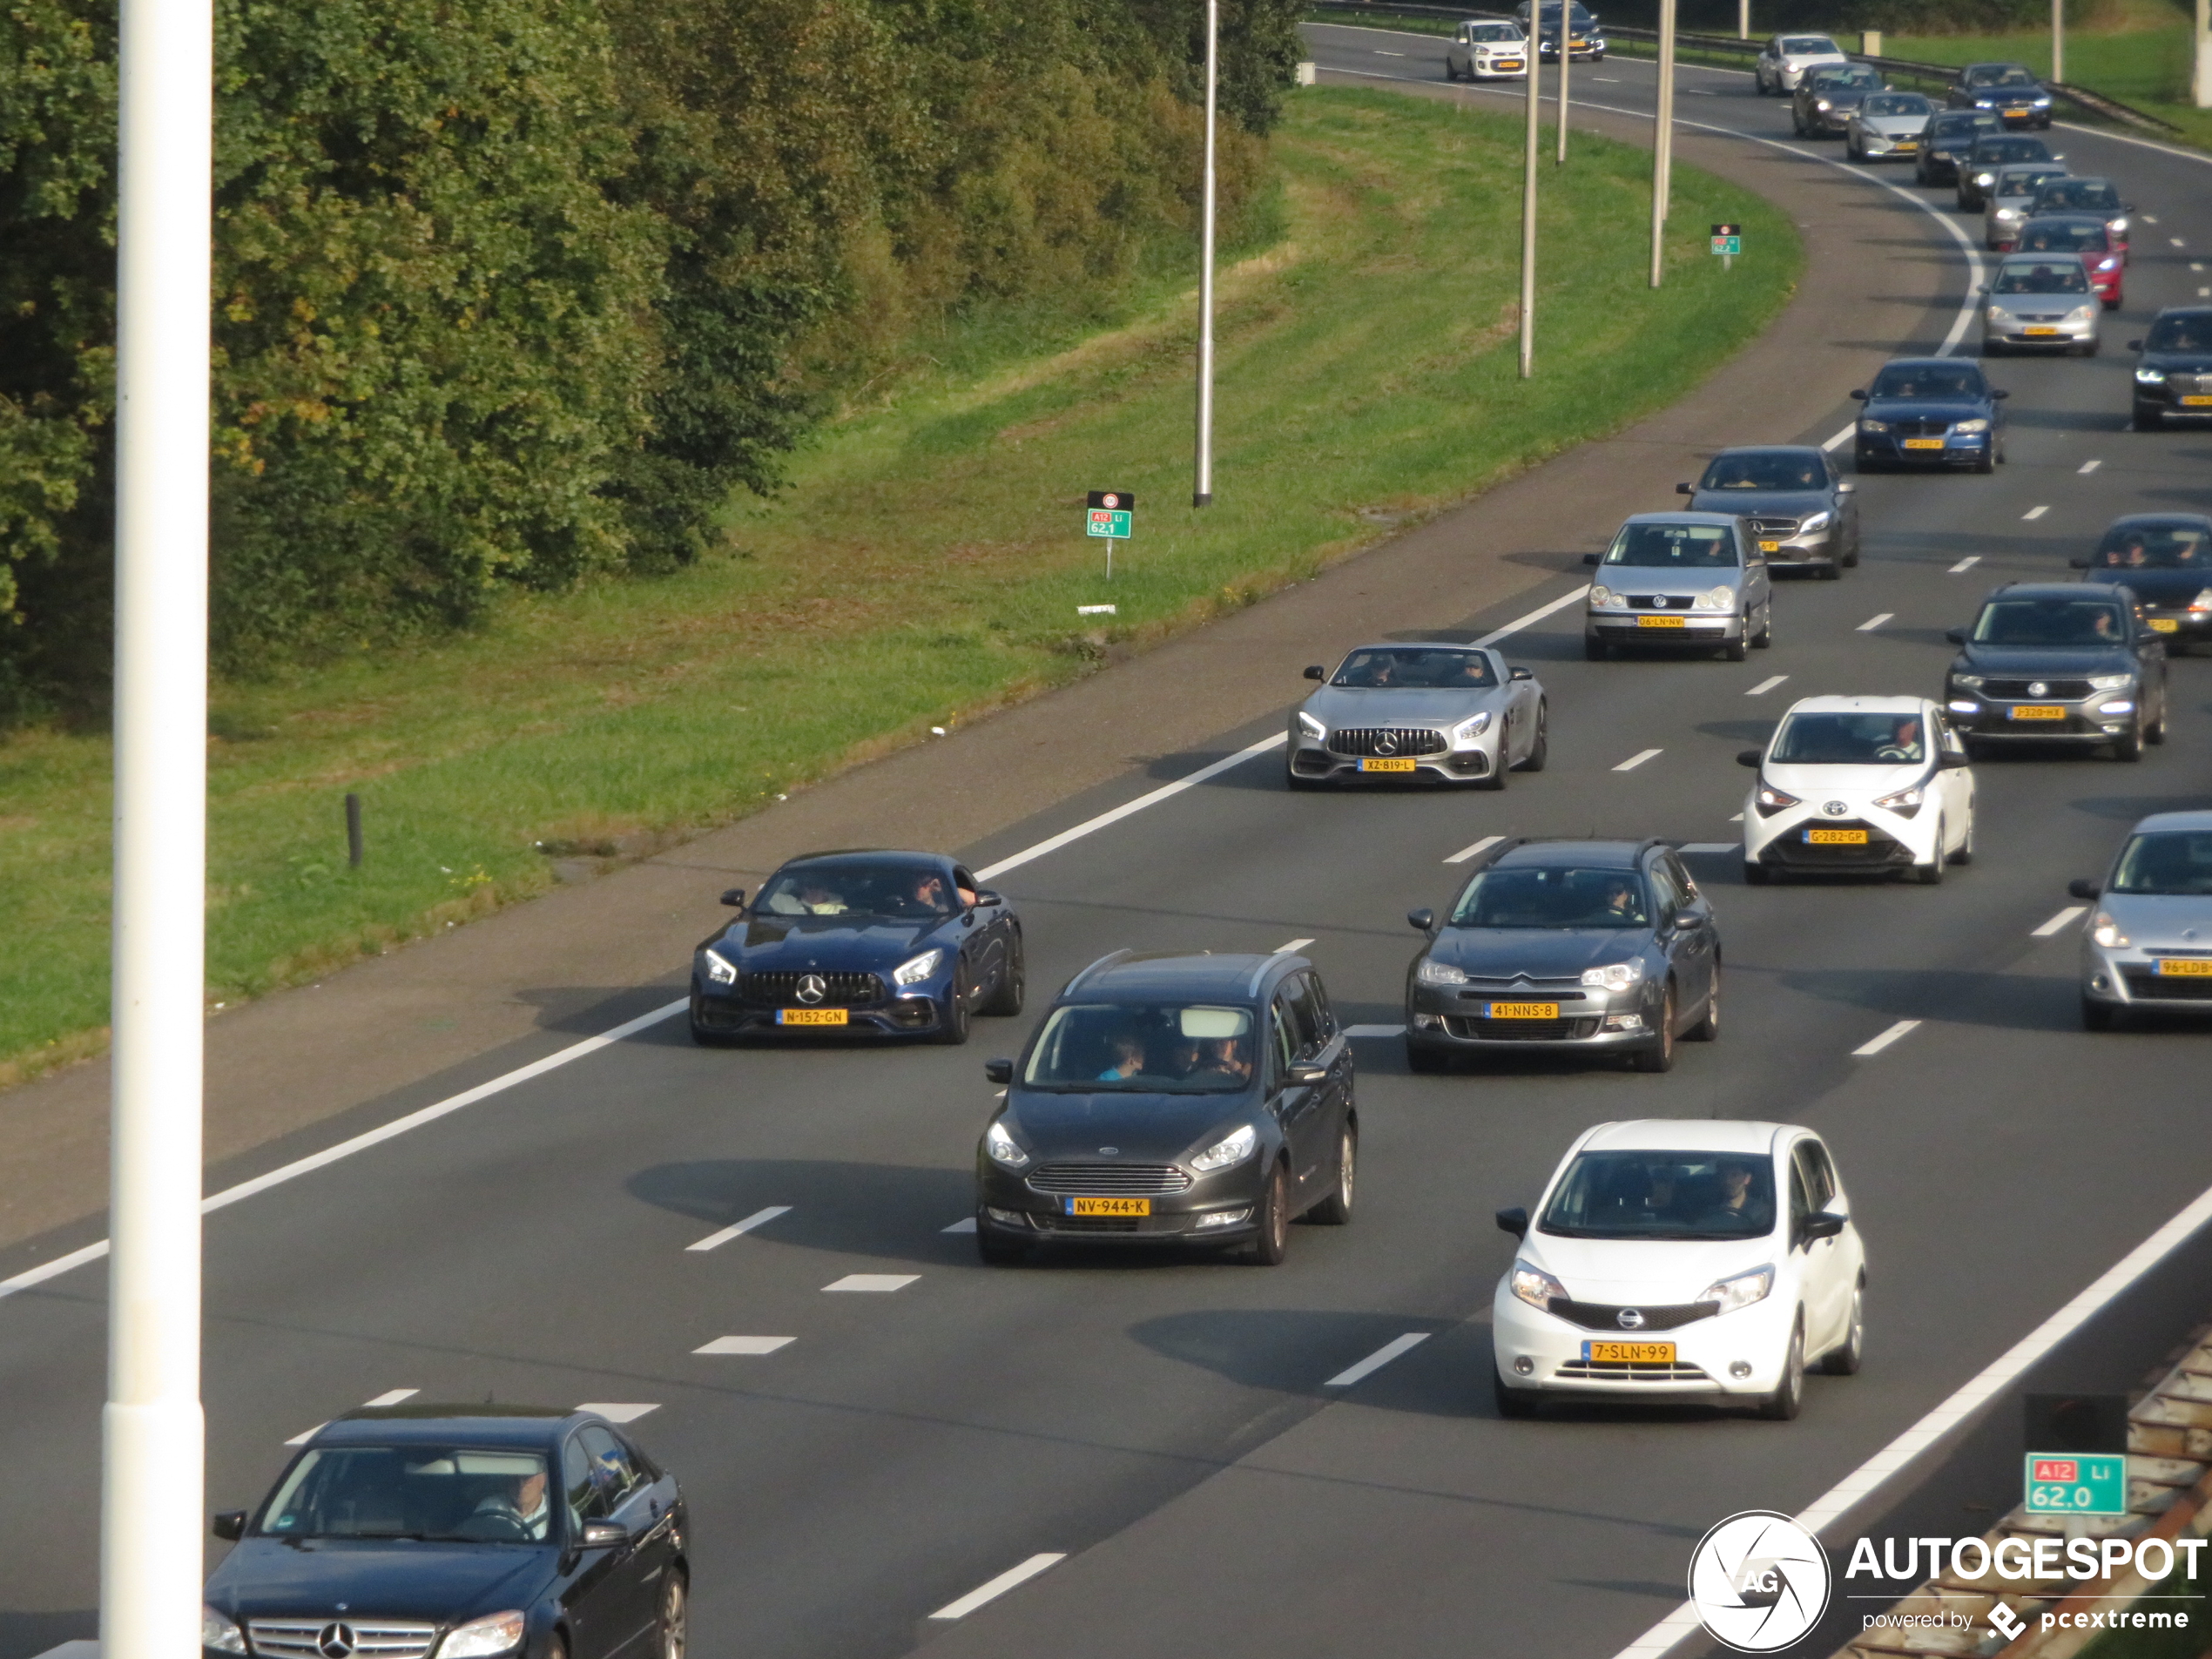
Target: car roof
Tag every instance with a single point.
(1230, 976)
(1689, 1135)
(437, 1425)
(1798, 450)
(897, 858)
(2157, 520)
(1418, 644)
(1856, 705)
(1590, 854)
(2199, 820)
(2051, 590)
(1930, 362)
(1678, 518)
(2165, 312)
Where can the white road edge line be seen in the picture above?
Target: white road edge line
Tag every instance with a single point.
(1466, 852)
(2061, 921)
(745, 1345)
(759, 1217)
(1842, 438)
(1635, 760)
(1375, 1361)
(306, 1434)
(998, 1586)
(1710, 847)
(965, 1224)
(1294, 946)
(1534, 616)
(1874, 622)
(620, 1411)
(1965, 564)
(1766, 686)
(2035, 512)
(1902, 1029)
(1374, 1031)
(2089, 466)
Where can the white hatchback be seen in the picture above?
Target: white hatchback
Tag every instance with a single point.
(1682, 1260)
(1488, 51)
(1859, 785)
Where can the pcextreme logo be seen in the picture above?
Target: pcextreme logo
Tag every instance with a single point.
(1759, 1582)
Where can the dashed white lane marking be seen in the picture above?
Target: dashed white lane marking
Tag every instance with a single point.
(1842, 438)
(1466, 852)
(877, 1283)
(2089, 466)
(2150, 218)
(1736, 817)
(1295, 945)
(390, 1397)
(1873, 623)
(755, 1219)
(2200, 293)
(2059, 923)
(965, 1224)
(1535, 616)
(306, 1434)
(997, 1587)
(2035, 512)
(745, 1345)
(620, 1411)
(1375, 1361)
(1635, 760)
(1610, 80)
(1965, 564)
(1374, 1031)
(1766, 686)
(2177, 242)
(1700, 92)
(1710, 847)
(1902, 1029)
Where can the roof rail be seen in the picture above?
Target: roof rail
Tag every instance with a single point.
(1110, 957)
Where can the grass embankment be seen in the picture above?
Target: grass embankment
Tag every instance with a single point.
(927, 560)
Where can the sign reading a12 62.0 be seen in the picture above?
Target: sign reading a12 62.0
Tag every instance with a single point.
(2076, 1484)
(1728, 239)
(1112, 512)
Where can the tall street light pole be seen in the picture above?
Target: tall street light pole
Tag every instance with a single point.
(1201, 486)
(2058, 40)
(1534, 56)
(152, 1432)
(1662, 141)
(1566, 58)
(2200, 82)
(1743, 19)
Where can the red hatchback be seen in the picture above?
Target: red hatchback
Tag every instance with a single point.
(2081, 233)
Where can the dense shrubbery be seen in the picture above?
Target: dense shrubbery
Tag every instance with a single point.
(515, 293)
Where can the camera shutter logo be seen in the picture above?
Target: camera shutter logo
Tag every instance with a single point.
(1759, 1582)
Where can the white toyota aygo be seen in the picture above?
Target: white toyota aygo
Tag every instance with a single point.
(1859, 785)
(1690, 1261)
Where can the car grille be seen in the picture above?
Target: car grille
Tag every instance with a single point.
(1505, 988)
(1109, 1180)
(1520, 1030)
(2189, 384)
(1773, 526)
(2038, 316)
(1632, 1371)
(1088, 1224)
(2052, 691)
(839, 990)
(2145, 985)
(1598, 1316)
(1920, 428)
(1659, 601)
(302, 1638)
(1385, 740)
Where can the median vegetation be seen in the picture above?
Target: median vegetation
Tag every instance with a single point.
(926, 561)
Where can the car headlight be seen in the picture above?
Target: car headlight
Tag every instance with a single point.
(2110, 682)
(1983, 181)
(1998, 314)
(2117, 227)
(1432, 972)
(1967, 682)
(718, 969)
(1869, 425)
(1469, 728)
(1905, 803)
(1822, 103)
(920, 969)
(2203, 600)
(1740, 1291)
(2150, 377)
(1958, 707)
(1718, 599)
(1985, 103)
(2082, 313)
(1615, 976)
(217, 1633)
(1312, 727)
(494, 1633)
(1770, 800)
(2043, 101)
(1535, 1286)
(2111, 263)
(2106, 932)
(1818, 522)
(1001, 1146)
(1232, 1149)
(2008, 213)
(1601, 596)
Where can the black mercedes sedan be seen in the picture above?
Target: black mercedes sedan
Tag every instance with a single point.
(1172, 1100)
(2166, 559)
(1596, 947)
(2173, 372)
(858, 943)
(465, 1532)
(1930, 412)
(2059, 662)
(1799, 508)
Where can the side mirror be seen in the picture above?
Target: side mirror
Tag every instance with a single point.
(1999, 396)
(1522, 674)
(1984, 288)
(1845, 487)
(604, 1535)
(1952, 760)
(1750, 758)
(230, 1526)
(1956, 636)
(1592, 558)
(984, 897)
(1685, 490)
(1822, 1223)
(2077, 564)
(998, 1071)
(734, 897)
(1858, 397)
(1315, 671)
(2082, 887)
(1420, 920)
(1513, 1221)
(1308, 1076)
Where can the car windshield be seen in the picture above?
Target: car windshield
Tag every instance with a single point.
(441, 1493)
(1814, 739)
(2085, 193)
(1492, 31)
(2001, 150)
(2044, 276)
(1673, 547)
(2011, 75)
(2191, 333)
(2166, 861)
(1808, 46)
(1408, 668)
(1553, 896)
(2049, 622)
(1896, 103)
(1845, 78)
(2155, 546)
(1662, 1195)
(1960, 123)
(905, 895)
(1948, 381)
(1144, 1048)
(2024, 181)
(2063, 236)
(1765, 469)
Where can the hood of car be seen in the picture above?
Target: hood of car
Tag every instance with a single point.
(1659, 1272)
(2177, 920)
(2166, 589)
(2177, 362)
(1927, 408)
(1142, 1129)
(1760, 503)
(1892, 127)
(1342, 705)
(2047, 662)
(1537, 953)
(1815, 784)
(1643, 579)
(438, 1583)
(831, 944)
(1840, 97)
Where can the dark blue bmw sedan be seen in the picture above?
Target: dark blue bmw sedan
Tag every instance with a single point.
(873, 943)
(465, 1532)
(1931, 412)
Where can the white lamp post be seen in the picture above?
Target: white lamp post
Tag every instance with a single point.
(1202, 485)
(1662, 141)
(1534, 97)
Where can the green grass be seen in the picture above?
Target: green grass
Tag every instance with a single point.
(927, 560)
(2147, 67)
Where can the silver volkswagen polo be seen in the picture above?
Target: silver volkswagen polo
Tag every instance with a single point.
(1679, 579)
(2148, 944)
(1457, 712)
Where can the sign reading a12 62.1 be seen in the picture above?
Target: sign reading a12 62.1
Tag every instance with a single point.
(2072, 1483)
(1728, 239)
(1112, 512)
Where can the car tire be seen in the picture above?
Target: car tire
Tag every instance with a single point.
(1845, 1358)
(1931, 874)
(2147, 420)
(1335, 1210)
(2157, 733)
(1708, 1029)
(2099, 1016)
(1274, 1241)
(2129, 748)
(1766, 628)
(1788, 1396)
(1987, 464)
(1512, 1403)
(1594, 650)
(997, 1249)
(672, 1628)
(702, 1035)
(1964, 855)
(1660, 1056)
(1500, 774)
(1851, 559)
(1540, 751)
(1756, 875)
(952, 1031)
(1013, 986)
(1736, 651)
(1427, 1059)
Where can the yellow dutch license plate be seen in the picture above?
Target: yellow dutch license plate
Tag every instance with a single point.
(810, 1016)
(1524, 1010)
(1835, 838)
(1108, 1206)
(1905, 144)
(2036, 330)
(1508, 65)
(1659, 622)
(2185, 966)
(1386, 765)
(1924, 443)
(2164, 625)
(2037, 711)
(1634, 1353)
(2196, 402)
(1770, 547)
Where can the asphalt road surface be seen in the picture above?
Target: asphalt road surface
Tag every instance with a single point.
(1166, 1426)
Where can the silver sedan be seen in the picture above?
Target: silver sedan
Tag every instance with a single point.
(1887, 127)
(2040, 301)
(2008, 201)
(2146, 947)
(1454, 712)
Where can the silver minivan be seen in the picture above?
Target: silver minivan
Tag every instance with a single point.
(1690, 581)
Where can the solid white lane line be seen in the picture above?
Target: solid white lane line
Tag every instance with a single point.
(2089, 466)
(1842, 438)
(2059, 923)
(1375, 1361)
(965, 1224)
(1634, 761)
(306, 1434)
(1535, 616)
(1873, 623)
(390, 1397)
(1295, 945)
(1902, 1029)
(1374, 1031)
(745, 1345)
(713, 1240)
(1610, 80)
(1766, 686)
(361, 1142)
(997, 1587)
(1965, 564)
(2035, 512)
(1710, 847)
(1466, 852)
(873, 1282)
(620, 1411)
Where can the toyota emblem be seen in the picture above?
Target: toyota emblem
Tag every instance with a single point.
(1629, 1319)
(1386, 745)
(334, 1641)
(2038, 688)
(1835, 808)
(812, 988)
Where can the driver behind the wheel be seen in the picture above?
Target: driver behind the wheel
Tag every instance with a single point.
(523, 1505)
(1903, 744)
